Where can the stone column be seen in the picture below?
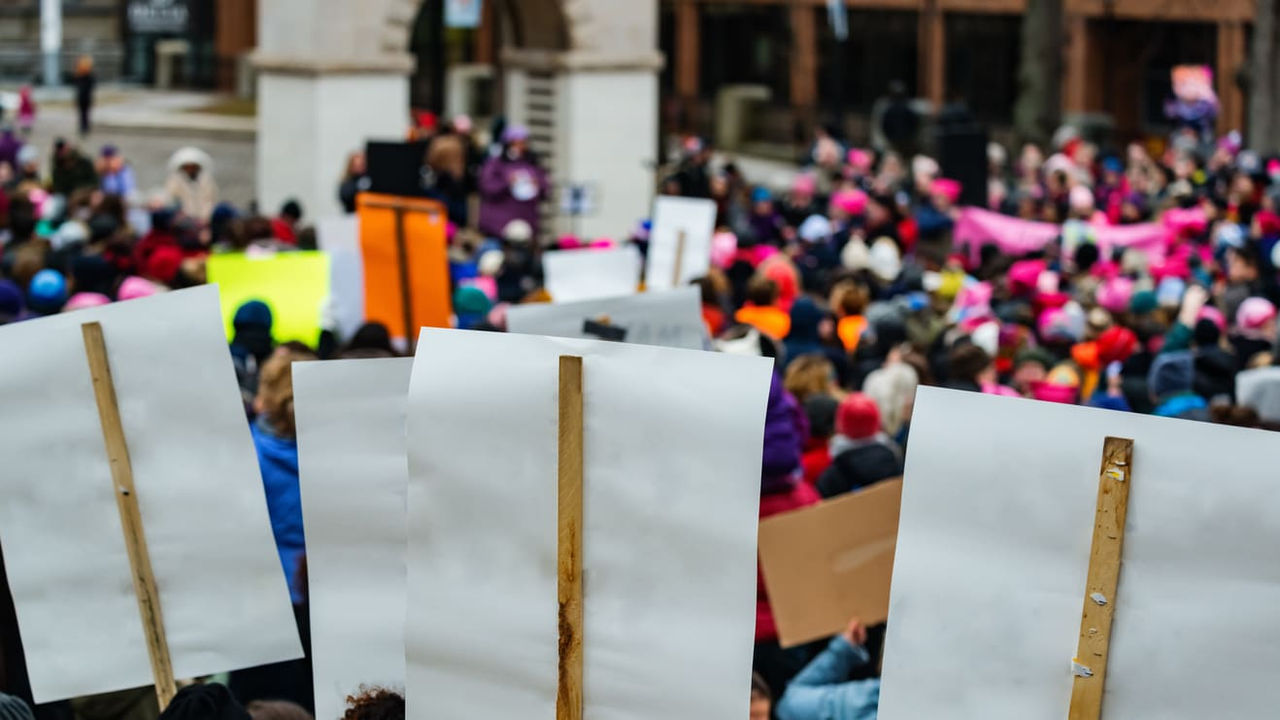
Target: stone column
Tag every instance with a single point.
(1231, 58)
(331, 74)
(933, 54)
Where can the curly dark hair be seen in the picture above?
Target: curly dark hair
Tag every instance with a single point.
(375, 704)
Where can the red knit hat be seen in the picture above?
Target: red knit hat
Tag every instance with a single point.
(1116, 344)
(857, 417)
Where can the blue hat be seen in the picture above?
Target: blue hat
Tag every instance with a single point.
(761, 194)
(1171, 373)
(1112, 163)
(47, 291)
(253, 312)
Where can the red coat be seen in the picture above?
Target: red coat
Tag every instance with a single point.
(816, 459)
(802, 495)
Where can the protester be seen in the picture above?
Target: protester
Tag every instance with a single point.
(71, 170)
(86, 82)
(861, 454)
(375, 704)
(190, 185)
(761, 699)
(200, 701)
(355, 180)
(14, 708)
(26, 115)
(823, 690)
(114, 173)
(511, 185)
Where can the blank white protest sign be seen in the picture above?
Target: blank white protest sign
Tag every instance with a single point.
(672, 447)
(670, 318)
(223, 596)
(695, 218)
(993, 552)
(572, 275)
(354, 476)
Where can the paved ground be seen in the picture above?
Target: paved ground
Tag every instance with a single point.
(149, 126)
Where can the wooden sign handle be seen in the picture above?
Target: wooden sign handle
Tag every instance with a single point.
(678, 268)
(135, 540)
(1090, 664)
(569, 557)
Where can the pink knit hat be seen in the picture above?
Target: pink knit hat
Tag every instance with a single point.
(1213, 315)
(1024, 274)
(850, 202)
(79, 301)
(134, 287)
(1255, 314)
(1114, 294)
(948, 188)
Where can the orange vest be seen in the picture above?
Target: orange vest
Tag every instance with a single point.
(850, 330)
(767, 319)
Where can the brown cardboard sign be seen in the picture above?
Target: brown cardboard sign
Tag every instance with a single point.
(828, 563)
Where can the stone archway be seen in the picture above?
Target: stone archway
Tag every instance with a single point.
(581, 73)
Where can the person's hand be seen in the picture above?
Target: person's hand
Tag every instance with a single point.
(1192, 302)
(856, 633)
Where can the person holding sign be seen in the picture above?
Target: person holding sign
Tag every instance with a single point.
(511, 185)
(823, 691)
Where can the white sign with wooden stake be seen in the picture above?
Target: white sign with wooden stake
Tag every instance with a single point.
(581, 541)
(135, 530)
(1008, 529)
(679, 241)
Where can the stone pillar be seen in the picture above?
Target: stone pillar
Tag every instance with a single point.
(1231, 58)
(933, 54)
(330, 76)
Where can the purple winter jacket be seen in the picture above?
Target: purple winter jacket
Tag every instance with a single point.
(785, 429)
(497, 204)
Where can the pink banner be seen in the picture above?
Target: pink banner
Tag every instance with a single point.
(976, 227)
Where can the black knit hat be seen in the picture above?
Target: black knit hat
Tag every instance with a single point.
(14, 708)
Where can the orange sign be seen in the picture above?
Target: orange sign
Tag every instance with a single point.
(406, 268)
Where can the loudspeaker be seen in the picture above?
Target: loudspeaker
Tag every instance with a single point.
(397, 168)
(962, 154)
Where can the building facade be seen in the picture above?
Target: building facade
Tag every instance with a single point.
(783, 56)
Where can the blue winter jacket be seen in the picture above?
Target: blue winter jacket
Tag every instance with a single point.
(822, 690)
(278, 459)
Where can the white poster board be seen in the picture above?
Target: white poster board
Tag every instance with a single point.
(669, 550)
(993, 551)
(223, 595)
(573, 275)
(354, 475)
(339, 237)
(694, 219)
(671, 319)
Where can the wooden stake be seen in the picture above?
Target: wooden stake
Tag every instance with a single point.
(135, 540)
(679, 266)
(1090, 663)
(406, 293)
(569, 691)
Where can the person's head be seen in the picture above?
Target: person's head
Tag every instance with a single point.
(1171, 374)
(291, 211)
(84, 65)
(277, 710)
(762, 291)
(190, 169)
(212, 701)
(355, 164)
(1242, 264)
(850, 298)
(516, 140)
(15, 708)
(275, 389)
(893, 389)
(375, 704)
(857, 417)
(761, 698)
(970, 364)
(252, 324)
(809, 375)
(372, 339)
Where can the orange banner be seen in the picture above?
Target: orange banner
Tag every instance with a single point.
(406, 269)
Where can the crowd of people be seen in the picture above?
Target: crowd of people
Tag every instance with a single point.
(849, 277)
